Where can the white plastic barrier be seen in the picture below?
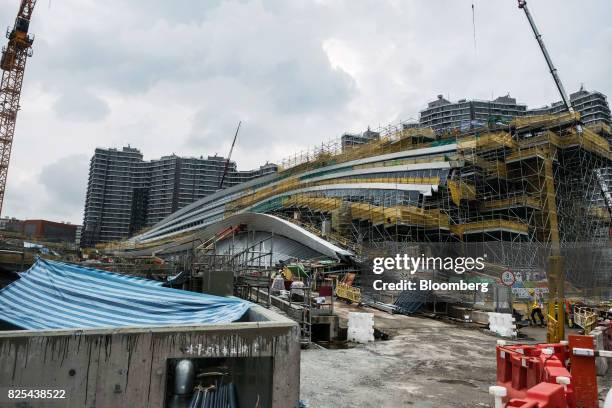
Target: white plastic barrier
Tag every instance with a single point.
(502, 324)
(360, 327)
(601, 363)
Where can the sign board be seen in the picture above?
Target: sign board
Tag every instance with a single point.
(508, 278)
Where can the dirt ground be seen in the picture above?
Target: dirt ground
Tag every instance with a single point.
(426, 363)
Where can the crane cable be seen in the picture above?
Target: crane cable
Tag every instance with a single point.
(474, 25)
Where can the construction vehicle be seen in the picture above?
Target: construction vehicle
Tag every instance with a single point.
(556, 274)
(12, 64)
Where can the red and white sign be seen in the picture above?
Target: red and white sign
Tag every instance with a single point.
(508, 278)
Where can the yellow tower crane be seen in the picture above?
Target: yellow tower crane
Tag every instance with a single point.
(12, 64)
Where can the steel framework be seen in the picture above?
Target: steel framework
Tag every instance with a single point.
(517, 192)
(14, 57)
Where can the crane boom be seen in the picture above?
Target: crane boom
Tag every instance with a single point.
(556, 261)
(12, 64)
(229, 156)
(553, 71)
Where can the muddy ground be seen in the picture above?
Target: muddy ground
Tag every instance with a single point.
(426, 363)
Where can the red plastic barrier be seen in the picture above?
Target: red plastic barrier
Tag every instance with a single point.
(522, 369)
(543, 395)
(585, 374)
(530, 373)
(522, 404)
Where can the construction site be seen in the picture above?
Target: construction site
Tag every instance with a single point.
(267, 293)
(531, 194)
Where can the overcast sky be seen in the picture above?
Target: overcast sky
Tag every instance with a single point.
(177, 76)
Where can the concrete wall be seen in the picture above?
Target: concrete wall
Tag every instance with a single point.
(127, 367)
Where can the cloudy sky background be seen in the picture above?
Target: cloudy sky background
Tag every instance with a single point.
(176, 76)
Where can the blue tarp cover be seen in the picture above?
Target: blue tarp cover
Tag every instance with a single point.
(57, 295)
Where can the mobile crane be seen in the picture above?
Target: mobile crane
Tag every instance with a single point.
(556, 262)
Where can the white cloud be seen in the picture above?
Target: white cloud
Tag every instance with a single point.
(171, 77)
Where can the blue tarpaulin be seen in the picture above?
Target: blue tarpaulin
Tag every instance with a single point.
(57, 295)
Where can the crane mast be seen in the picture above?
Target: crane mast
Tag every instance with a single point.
(229, 156)
(12, 64)
(522, 4)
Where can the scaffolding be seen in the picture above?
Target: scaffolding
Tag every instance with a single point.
(519, 192)
(247, 262)
(515, 191)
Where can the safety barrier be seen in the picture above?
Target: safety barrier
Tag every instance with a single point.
(502, 324)
(537, 376)
(521, 369)
(360, 327)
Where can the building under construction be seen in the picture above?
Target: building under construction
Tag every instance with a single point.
(528, 190)
(512, 191)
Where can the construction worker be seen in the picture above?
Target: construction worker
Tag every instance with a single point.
(536, 307)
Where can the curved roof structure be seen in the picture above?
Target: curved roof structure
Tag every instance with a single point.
(278, 226)
(408, 174)
(290, 240)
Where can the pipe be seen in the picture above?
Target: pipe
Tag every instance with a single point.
(184, 377)
(233, 403)
(196, 399)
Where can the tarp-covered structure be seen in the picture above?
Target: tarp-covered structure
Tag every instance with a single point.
(57, 295)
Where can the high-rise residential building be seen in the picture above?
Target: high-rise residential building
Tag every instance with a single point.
(443, 115)
(126, 194)
(113, 176)
(178, 181)
(593, 107)
(237, 177)
(350, 140)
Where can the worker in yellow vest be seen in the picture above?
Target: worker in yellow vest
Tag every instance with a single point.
(536, 308)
